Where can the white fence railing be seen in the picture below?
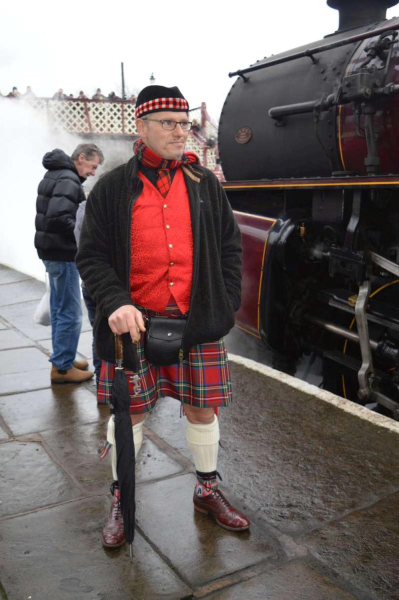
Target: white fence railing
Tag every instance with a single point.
(106, 118)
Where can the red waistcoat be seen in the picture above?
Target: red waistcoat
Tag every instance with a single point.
(162, 246)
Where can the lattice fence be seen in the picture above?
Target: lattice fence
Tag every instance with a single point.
(117, 118)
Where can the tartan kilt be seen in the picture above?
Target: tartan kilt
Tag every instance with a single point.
(201, 380)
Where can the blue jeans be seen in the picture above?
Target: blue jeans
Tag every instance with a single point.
(66, 311)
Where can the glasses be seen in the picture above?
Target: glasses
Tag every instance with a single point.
(171, 125)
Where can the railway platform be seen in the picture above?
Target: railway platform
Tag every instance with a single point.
(316, 474)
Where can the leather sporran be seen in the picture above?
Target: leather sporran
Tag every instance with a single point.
(163, 340)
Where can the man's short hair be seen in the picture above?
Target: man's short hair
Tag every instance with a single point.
(89, 150)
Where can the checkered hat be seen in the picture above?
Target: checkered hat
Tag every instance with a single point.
(155, 98)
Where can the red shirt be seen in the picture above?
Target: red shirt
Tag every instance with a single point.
(162, 246)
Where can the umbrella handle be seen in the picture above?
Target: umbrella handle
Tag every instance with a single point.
(118, 350)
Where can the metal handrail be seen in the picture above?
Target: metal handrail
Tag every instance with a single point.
(308, 53)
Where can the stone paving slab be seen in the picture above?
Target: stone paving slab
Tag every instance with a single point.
(23, 369)
(21, 316)
(293, 581)
(166, 421)
(77, 447)
(193, 542)
(310, 476)
(30, 478)
(311, 461)
(84, 347)
(40, 560)
(21, 361)
(8, 275)
(85, 344)
(24, 382)
(9, 338)
(53, 408)
(363, 547)
(152, 463)
(21, 291)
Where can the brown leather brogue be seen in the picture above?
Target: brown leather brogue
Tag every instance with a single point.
(70, 375)
(112, 533)
(82, 365)
(225, 515)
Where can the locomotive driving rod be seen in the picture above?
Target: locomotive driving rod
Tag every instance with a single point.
(311, 51)
(338, 330)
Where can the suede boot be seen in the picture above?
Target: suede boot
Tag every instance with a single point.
(69, 376)
(81, 364)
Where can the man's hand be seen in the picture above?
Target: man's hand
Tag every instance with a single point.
(127, 319)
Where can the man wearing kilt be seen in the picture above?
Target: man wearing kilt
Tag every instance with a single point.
(160, 238)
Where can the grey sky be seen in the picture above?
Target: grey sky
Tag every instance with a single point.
(80, 45)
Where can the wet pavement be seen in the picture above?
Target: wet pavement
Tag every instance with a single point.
(317, 476)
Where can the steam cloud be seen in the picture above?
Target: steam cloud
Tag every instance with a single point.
(26, 136)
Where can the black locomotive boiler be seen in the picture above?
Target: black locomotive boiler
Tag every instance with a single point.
(309, 146)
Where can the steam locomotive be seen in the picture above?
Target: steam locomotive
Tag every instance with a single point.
(309, 146)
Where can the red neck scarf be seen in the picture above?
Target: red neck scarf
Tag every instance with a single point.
(149, 159)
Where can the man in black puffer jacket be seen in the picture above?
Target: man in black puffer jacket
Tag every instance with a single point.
(59, 194)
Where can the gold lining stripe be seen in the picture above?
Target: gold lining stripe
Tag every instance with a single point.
(340, 137)
(308, 185)
(257, 336)
(238, 212)
(261, 272)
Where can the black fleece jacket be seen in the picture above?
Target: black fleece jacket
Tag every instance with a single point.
(104, 255)
(59, 194)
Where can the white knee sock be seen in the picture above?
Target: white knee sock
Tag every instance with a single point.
(138, 440)
(204, 443)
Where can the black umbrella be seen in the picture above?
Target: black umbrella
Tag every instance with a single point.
(126, 463)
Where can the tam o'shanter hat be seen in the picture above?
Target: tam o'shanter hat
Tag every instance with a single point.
(155, 98)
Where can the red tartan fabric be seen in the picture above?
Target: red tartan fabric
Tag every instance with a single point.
(162, 104)
(164, 182)
(151, 159)
(202, 380)
(161, 228)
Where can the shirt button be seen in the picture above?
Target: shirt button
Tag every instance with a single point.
(172, 264)
(167, 226)
(170, 245)
(171, 283)
(165, 206)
